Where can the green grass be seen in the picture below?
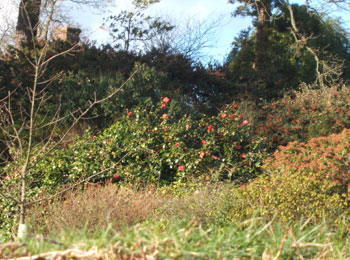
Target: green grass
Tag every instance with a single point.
(187, 239)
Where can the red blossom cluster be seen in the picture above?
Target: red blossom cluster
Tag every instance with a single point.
(217, 131)
(165, 101)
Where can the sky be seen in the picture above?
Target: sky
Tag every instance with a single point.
(200, 10)
(181, 10)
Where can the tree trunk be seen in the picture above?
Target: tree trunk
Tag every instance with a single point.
(262, 36)
(27, 22)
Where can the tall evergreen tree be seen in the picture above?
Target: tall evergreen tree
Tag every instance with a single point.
(261, 10)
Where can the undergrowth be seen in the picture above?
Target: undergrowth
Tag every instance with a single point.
(168, 224)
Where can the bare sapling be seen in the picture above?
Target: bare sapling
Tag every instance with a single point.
(21, 123)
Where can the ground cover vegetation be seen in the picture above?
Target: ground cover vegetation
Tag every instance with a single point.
(129, 152)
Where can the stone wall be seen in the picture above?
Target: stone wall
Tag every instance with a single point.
(68, 33)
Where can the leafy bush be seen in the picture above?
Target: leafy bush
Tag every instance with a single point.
(153, 145)
(303, 180)
(10, 177)
(305, 114)
(7, 211)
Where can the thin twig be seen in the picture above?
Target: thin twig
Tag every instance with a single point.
(301, 245)
(296, 244)
(69, 253)
(284, 239)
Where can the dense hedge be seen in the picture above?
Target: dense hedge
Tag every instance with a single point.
(304, 114)
(309, 180)
(152, 144)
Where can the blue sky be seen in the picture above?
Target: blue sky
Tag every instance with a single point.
(201, 10)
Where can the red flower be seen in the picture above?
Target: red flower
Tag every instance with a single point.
(130, 114)
(178, 145)
(94, 137)
(163, 105)
(204, 142)
(224, 115)
(239, 147)
(181, 168)
(244, 185)
(116, 176)
(210, 128)
(235, 106)
(202, 154)
(240, 115)
(166, 100)
(165, 116)
(243, 155)
(214, 157)
(245, 122)
(207, 178)
(278, 82)
(232, 116)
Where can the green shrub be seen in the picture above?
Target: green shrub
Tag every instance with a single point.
(305, 114)
(303, 180)
(153, 144)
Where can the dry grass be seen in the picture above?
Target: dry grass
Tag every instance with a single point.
(95, 208)
(201, 204)
(100, 206)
